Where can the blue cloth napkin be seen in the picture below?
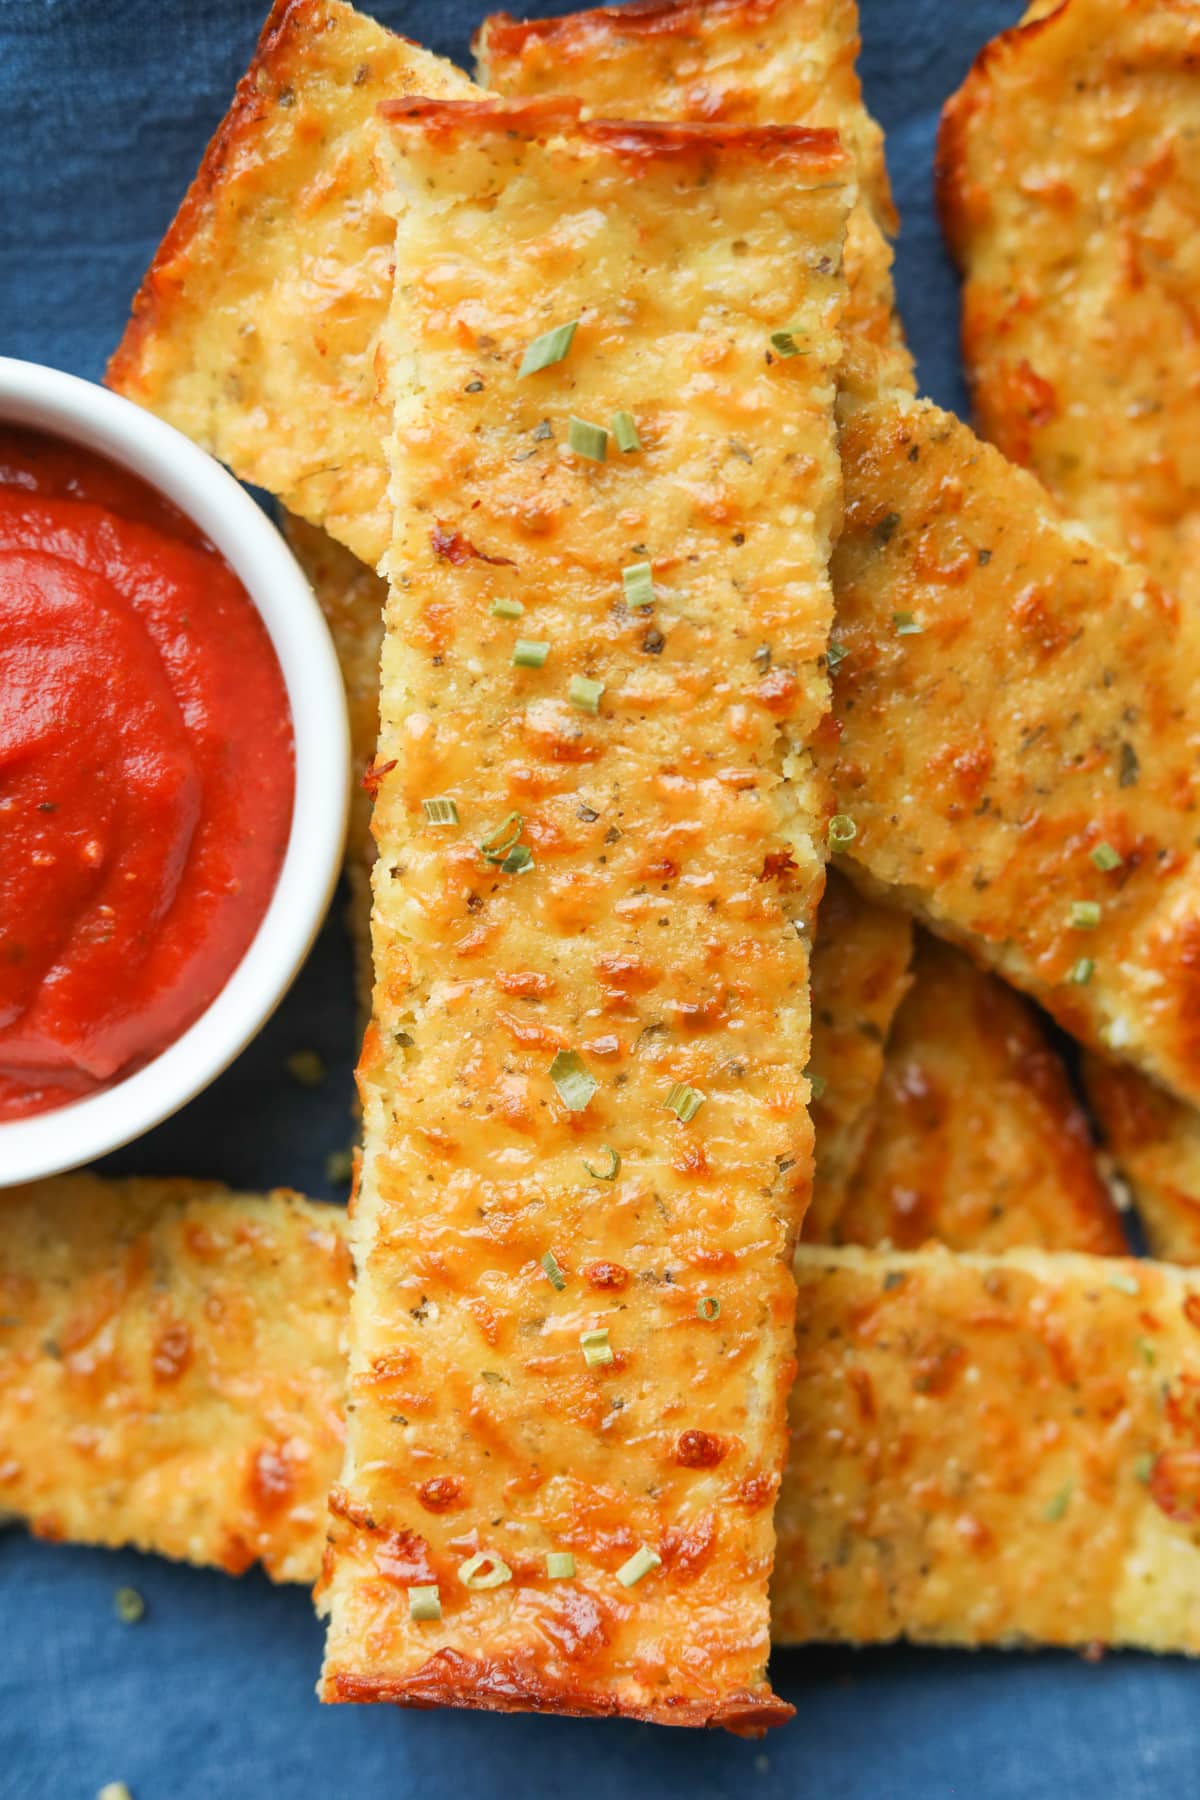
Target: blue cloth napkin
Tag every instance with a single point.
(106, 109)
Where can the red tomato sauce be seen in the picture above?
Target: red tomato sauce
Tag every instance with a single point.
(146, 773)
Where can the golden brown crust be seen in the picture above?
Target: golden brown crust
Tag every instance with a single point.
(1069, 191)
(171, 1368)
(1154, 1140)
(977, 1141)
(1010, 708)
(992, 1450)
(659, 933)
(254, 330)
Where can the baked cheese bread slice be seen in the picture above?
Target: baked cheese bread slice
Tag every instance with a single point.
(587, 1149)
(1014, 759)
(1069, 186)
(976, 1139)
(1154, 1142)
(172, 1371)
(992, 1450)
(747, 62)
(255, 328)
(860, 975)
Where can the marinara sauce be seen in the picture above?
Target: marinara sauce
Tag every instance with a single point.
(146, 773)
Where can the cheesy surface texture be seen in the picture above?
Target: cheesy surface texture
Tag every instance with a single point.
(172, 1368)
(546, 1361)
(993, 1450)
(976, 1140)
(1017, 745)
(1069, 180)
(256, 327)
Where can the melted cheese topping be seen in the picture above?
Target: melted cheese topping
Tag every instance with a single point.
(256, 326)
(1070, 191)
(172, 1373)
(976, 1140)
(745, 62)
(660, 933)
(992, 1451)
(1013, 698)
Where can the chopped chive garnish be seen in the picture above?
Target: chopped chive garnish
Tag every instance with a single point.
(639, 1564)
(1124, 1284)
(482, 1571)
(529, 654)
(614, 1164)
(587, 440)
(836, 655)
(597, 1351)
(440, 812)
(424, 1603)
(785, 343)
(1082, 971)
(842, 831)
(506, 609)
(560, 1565)
(585, 694)
(569, 1075)
(816, 1086)
(709, 1308)
(625, 431)
(1143, 1467)
(1084, 915)
(519, 858)
(1106, 858)
(637, 579)
(685, 1102)
(1059, 1504)
(500, 845)
(129, 1605)
(906, 625)
(554, 1274)
(548, 349)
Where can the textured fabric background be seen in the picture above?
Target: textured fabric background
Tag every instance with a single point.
(105, 108)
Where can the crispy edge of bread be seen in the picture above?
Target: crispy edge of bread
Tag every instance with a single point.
(1154, 1141)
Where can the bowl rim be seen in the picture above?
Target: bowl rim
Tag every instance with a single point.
(81, 412)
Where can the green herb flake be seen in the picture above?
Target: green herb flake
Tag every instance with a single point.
(708, 1308)
(613, 1169)
(506, 609)
(789, 343)
(639, 1564)
(584, 694)
(586, 439)
(1143, 1468)
(306, 1068)
(548, 349)
(560, 1565)
(1084, 915)
(685, 1102)
(129, 1605)
(1057, 1507)
(817, 1085)
(482, 1571)
(496, 846)
(528, 653)
(842, 831)
(597, 1351)
(906, 625)
(570, 1077)
(625, 431)
(637, 580)
(1106, 858)
(440, 812)
(836, 655)
(554, 1274)
(1146, 1351)
(1082, 971)
(424, 1604)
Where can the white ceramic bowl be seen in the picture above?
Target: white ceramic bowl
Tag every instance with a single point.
(47, 400)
